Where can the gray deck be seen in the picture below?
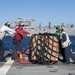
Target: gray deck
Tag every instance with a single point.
(34, 69)
(59, 69)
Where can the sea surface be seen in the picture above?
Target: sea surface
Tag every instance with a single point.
(8, 42)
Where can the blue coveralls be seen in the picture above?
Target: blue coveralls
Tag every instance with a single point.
(1, 51)
(17, 47)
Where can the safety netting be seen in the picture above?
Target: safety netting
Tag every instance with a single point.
(44, 48)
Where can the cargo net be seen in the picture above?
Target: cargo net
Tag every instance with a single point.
(44, 48)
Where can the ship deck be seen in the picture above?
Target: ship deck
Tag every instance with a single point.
(15, 68)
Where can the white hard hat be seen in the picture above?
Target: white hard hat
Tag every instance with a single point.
(21, 23)
(62, 29)
(7, 23)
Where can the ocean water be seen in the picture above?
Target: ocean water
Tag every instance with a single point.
(8, 42)
(72, 38)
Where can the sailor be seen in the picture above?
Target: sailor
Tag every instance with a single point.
(66, 44)
(20, 32)
(3, 30)
(61, 50)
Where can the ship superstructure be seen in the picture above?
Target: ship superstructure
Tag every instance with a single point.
(29, 24)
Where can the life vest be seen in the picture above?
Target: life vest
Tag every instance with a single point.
(67, 42)
(20, 33)
(17, 35)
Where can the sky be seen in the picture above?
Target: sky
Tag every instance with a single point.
(43, 11)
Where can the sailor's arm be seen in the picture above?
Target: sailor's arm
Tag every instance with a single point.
(10, 31)
(63, 38)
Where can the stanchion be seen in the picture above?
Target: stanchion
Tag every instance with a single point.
(21, 59)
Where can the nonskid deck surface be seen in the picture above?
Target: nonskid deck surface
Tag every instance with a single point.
(15, 68)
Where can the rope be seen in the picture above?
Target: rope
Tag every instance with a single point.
(41, 52)
(49, 43)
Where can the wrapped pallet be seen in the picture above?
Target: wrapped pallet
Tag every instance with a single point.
(44, 48)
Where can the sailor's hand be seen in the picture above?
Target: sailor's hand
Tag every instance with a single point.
(28, 34)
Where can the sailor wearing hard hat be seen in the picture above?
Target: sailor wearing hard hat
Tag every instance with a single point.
(66, 44)
(3, 30)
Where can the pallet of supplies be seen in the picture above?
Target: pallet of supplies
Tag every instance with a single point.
(44, 48)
